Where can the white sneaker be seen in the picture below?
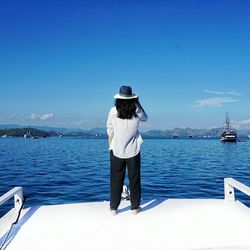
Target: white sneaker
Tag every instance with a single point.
(113, 212)
(136, 211)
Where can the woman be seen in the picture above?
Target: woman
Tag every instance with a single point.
(124, 145)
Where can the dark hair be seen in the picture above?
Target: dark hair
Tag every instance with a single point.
(126, 108)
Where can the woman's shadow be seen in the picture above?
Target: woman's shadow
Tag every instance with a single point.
(145, 205)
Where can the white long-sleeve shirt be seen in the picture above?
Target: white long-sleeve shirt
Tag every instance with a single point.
(126, 139)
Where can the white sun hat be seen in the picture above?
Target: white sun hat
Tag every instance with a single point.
(125, 92)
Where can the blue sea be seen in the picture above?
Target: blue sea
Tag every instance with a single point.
(68, 170)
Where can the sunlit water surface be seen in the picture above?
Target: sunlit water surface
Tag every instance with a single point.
(68, 170)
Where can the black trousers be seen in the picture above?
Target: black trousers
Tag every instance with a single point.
(117, 176)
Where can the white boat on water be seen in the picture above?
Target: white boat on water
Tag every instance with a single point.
(162, 224)
(229, 134)
(4, 136)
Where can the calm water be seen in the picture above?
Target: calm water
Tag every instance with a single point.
(64, 170)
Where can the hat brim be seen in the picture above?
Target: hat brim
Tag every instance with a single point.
(118, 96)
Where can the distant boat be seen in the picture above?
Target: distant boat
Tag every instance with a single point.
(190, 136)
(4, 136)
(27, 135)
(249, 136)
(229, 134)
(207, 136)
(175, 136)
(242, 140)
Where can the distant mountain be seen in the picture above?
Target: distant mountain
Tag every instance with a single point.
(45, 128)
(97, 131)
(101, 132)
(20, 132)
(156, 133)
(7, 126)
(188, 132)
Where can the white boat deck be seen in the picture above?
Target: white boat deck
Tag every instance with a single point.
(162, 224)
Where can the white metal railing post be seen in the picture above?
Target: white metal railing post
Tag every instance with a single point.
(17, 193)
(228, 191)
(230, 184)
(18, 199)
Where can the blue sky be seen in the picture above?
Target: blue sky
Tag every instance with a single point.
(61, 62)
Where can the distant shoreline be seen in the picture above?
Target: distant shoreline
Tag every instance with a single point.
(96, 133)
(92, 134)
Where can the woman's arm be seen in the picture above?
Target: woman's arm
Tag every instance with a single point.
(139, 104)
(110, 130)
(141, 112)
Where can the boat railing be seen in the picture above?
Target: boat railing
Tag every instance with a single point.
(230, 184)
(17, 194)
